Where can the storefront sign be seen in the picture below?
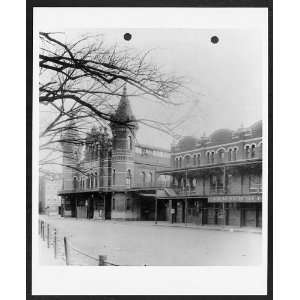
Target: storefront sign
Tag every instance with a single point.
(244, 198)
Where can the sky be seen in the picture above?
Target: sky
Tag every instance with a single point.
(224, 80)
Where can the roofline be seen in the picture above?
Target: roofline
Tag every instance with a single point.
(217, 145)
(212, 166)
(152, 147)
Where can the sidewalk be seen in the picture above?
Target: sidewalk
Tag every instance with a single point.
(163, 224)
(46, 255)
(212, 227)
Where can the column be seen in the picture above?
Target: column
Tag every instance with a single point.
(155, 210)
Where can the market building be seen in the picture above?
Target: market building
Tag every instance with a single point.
(211, 180)
(112, 177)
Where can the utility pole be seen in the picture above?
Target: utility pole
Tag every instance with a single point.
(224, 188)
(186, 195)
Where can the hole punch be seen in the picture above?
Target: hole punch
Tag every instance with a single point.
(127, 36)
(214, 39)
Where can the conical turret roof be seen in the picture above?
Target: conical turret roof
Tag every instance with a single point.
(124, 112)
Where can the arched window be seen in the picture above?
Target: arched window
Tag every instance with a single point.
(144, 178)
(96, 179)
(130, 142)
(247, 152)
(221, 154)
(198, 159)
(180, 162)
(176, 162)
(129, 178)
(252, 151)
(234, 156)
(92, 180)
(187, 160)
(212, 157)
(74, 182)
(195, 160)
(88, 181)
(230, 154)
(151, 178)
(114, 177)
(208, 157)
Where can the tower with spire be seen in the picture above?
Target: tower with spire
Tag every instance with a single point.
(123, 127)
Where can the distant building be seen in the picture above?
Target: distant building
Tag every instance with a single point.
(212, 180)
(42, 195)
(50, 201)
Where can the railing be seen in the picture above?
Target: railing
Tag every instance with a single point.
(194, 191)
(86, 189)
(64, 250)
(219, 189)
(150, 185)
(255, 188)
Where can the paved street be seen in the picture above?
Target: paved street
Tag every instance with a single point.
(140, 243)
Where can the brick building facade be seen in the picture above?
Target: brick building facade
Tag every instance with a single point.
(112, 177)
(211, 180)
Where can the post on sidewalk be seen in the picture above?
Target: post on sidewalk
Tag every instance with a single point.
(155, 210)
(224, 187)
(102, 259)
(43, 230)
(186, 198)
(54, 243)
(67, 251)
(48, 236)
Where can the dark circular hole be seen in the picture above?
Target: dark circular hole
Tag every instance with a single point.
(214, 39)
(127, 36)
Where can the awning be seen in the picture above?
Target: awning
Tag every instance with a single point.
(148, 195)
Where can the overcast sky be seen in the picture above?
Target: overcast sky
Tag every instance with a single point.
(225, 79)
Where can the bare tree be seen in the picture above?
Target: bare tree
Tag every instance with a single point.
(79, 79)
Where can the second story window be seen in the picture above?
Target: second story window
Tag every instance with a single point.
(151, 178)
(129, 177)
(92, 180)
(187, 160)
(198, 159)
(208, 157)
(114, 177)
(195, 160)
(234, 154)
(230, 154)
(180, 162)
(247, 152)
(130, 142)
(221, 154)
(253, 151)
(212, 157)
(144, 178)
(96, 179)
(74, 182)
